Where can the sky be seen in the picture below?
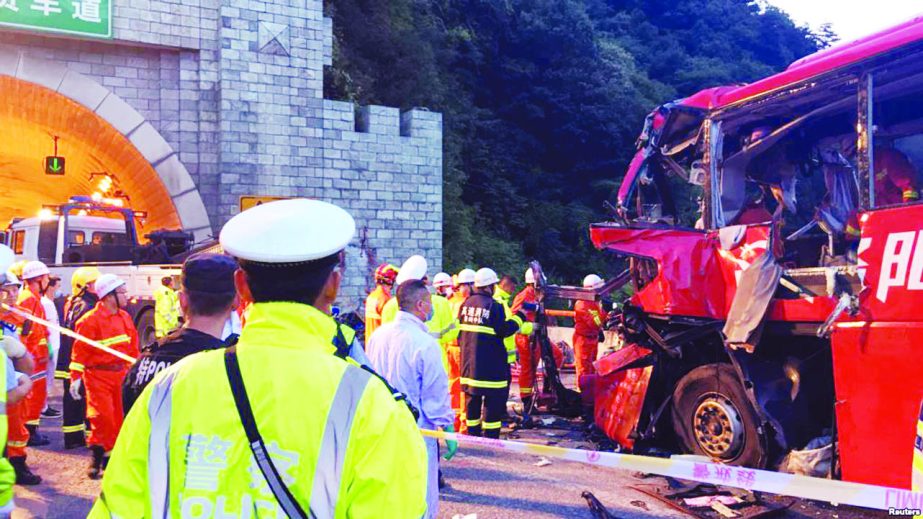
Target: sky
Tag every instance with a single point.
(851, 19)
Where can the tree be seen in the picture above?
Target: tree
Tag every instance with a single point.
(543, 101)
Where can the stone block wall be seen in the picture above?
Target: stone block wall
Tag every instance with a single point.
(235, 88)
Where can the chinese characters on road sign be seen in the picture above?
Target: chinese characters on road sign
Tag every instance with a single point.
(81, 17)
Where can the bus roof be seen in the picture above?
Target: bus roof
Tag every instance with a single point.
(821, 62)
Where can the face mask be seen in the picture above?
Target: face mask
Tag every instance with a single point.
(429, 316)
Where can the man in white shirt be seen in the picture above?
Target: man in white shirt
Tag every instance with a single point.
(410, 359)
(54, 338)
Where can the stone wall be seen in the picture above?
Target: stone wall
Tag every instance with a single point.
(235, 87)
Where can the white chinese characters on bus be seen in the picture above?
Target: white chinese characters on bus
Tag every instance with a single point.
(46, 7)
(87, 10)
(9, 4)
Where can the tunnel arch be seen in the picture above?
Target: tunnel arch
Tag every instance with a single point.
(99, 132)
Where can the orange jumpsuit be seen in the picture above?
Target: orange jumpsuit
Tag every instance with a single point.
(528, 361)
(373, 306)
(453, 351)
(588, 322)
(102, 373)
(35, 338)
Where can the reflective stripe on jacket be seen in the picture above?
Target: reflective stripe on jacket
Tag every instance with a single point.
(117, 331)
(34, 336)
(341, 443)
(588, 318)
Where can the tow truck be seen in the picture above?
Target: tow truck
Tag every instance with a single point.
(773, 234)
(85, 231)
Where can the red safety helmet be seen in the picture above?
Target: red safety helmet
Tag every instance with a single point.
(385, 274)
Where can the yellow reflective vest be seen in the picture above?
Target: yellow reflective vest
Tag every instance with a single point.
(440, 326)
(341, 443)
(166, 311)
(7, 474)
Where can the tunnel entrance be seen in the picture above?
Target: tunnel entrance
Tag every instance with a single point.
(110, 151)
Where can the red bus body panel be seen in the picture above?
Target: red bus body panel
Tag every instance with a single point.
(879, 380)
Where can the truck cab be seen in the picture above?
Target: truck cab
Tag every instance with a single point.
(85, 231)
(772, 232)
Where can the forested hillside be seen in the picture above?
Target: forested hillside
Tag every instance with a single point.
(543, 100)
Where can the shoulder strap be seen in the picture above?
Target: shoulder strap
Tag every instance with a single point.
(283, 495)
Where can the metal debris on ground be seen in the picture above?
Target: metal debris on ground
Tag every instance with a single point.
(710, 502)
(723, 510)
(706, 501)
(597, 510)
(542, 462)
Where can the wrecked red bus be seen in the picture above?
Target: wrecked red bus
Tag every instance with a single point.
(775, 240)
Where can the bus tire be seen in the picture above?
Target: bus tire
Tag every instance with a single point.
(713, 417)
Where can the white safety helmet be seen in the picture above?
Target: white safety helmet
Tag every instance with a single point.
(442, 280)
(530, 277)
(592, 281)
(8, 279)
(34, 269)
(414, 268)
(485, 277)
(466, 276)
(106, 284)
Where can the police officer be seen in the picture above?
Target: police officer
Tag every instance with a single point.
(303, 431)
(82, 300)
(485, 373)
(207, 299)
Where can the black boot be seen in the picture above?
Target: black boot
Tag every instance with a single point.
(81, 442)
(96, 466)
(36, 439)
(24, 476)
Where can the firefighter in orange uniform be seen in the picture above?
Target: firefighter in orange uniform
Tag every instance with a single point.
(102, 372)
(464, 286)
(385, 275)
(588, 323)
(528, 359)
(35, 276)
(17, 435)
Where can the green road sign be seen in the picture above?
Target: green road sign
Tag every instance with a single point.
(53, 165)
(81, 17)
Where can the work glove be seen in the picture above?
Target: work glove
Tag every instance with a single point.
(451, 446)
(527, 328)
(13, 348)
(75, 389)
(601, 337)
(530, 307)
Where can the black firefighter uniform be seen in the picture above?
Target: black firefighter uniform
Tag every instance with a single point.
(484, 367)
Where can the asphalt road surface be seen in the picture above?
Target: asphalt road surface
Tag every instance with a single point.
(483, 483)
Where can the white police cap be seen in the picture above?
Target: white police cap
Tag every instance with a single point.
(288, 231)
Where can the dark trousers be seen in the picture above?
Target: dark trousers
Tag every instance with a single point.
(75, 415)
(494, 409)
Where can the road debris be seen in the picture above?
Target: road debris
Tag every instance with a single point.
(542, 462)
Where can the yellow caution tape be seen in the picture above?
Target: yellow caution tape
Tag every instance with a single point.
(832, 491)
(64, 331)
